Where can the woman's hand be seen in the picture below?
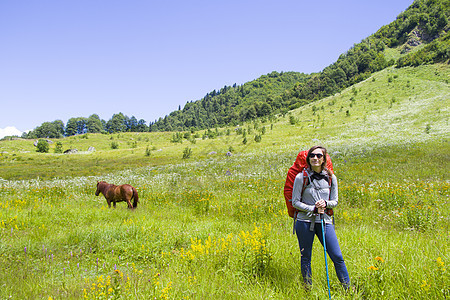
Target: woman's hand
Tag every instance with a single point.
(321, 204)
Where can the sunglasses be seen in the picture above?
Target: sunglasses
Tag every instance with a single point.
(318, 155)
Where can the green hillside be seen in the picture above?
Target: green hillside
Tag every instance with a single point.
(420, 35)
(393, 106)
(212, 214)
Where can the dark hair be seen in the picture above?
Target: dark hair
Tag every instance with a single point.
(324, 163)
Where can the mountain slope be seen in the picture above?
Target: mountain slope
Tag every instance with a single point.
(423, 26)
(419, 35)
(393, 107)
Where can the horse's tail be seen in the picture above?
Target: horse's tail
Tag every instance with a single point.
(135, 197)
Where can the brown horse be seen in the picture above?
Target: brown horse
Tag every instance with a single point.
(113, 193)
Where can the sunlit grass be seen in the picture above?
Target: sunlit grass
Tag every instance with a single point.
(394, 106)
(213, 217)
(216, 226)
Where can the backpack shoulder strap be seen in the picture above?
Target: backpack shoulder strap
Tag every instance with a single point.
(330, 211)
(305, 183)
(305, 180)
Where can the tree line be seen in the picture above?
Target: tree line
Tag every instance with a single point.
(425, 21)
(230, 105)
(93, 124)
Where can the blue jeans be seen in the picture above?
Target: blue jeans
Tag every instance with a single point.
(305, 240)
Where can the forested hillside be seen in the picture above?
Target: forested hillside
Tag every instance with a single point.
(419, 35)
(232, 105)
(423, 23)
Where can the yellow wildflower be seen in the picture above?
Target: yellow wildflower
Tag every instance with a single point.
(379, 259)
(425, 286)
(372, 268)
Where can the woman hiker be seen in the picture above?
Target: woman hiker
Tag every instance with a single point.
(312, 203)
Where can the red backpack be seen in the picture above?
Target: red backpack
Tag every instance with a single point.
(299, 166)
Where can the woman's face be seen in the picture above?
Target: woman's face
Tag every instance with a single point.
(316, 158)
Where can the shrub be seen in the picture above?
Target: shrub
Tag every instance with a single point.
(114, 145)
(187, 152)
(292, 120)
(42, 146)
(59, 147)
(177, 138)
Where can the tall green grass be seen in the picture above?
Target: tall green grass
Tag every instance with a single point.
(218, 228)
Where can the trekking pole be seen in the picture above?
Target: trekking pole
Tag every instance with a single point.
(322, 221)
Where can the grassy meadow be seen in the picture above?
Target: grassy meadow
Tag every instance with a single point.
(213, 226)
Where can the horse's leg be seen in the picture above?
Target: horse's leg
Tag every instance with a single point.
(127, 195)
(129, 202)
(109, 203)
(114, 204)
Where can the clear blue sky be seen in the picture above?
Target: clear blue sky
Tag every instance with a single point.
(74, 58)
